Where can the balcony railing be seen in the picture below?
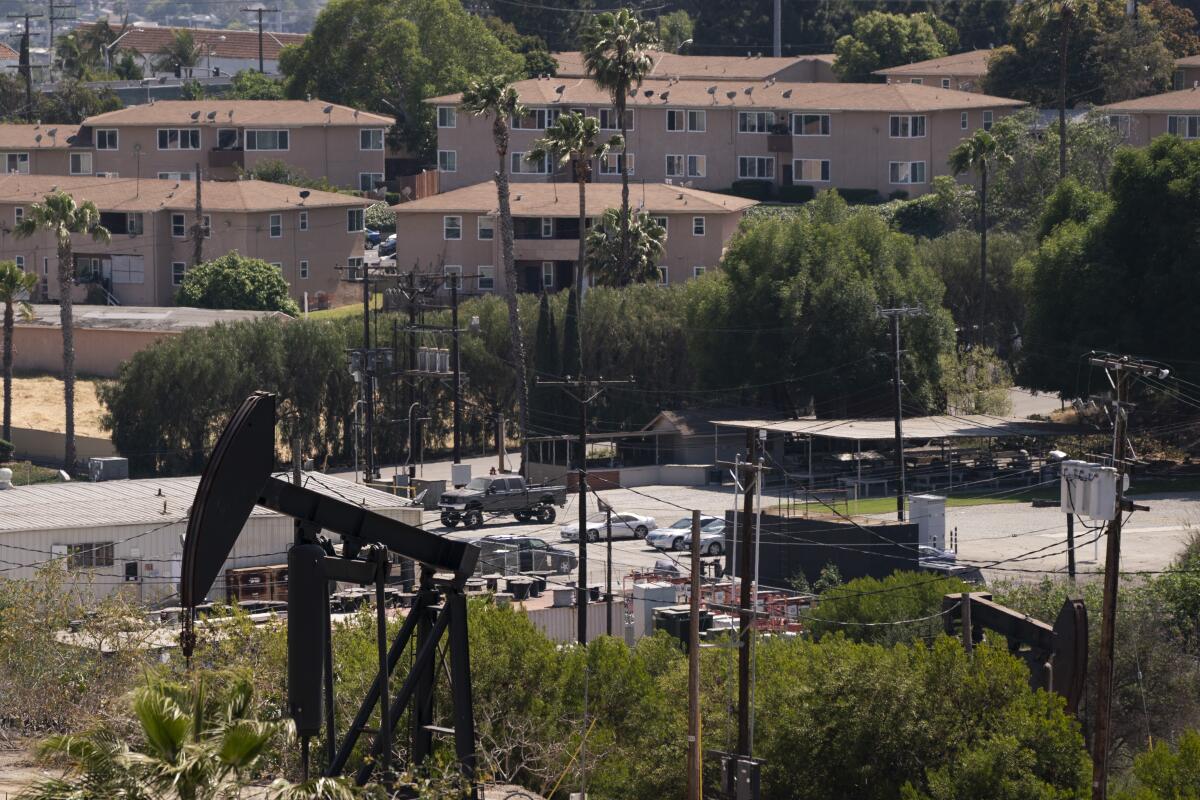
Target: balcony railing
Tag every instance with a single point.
(229, 157)
(779, 142)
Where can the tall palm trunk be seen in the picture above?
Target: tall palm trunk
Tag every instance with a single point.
(500, 134)
(983, 230)
(8, 369)
(581, 177)
(624, 191)
(66, 273)
(1064, 41)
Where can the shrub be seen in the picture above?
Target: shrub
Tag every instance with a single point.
(796, 194)
(861, 196)
(234, 281)
(755, 190)
(6, 450)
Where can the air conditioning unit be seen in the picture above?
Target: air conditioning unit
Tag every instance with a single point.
(108, 468)
(1088, 490)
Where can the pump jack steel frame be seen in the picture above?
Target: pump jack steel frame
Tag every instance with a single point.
(238, 477)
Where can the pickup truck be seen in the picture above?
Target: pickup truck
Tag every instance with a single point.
(498, 496)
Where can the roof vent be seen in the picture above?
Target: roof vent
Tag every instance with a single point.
(5, 478)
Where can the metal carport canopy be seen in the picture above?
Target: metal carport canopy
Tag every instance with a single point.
(972, 426)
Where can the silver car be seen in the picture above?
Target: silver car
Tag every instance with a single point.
(679, 535)
(712, 538)
(624, 526)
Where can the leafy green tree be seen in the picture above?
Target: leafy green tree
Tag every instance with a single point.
(16, 286)
(981, 24)
(954, 257)
(556, 22)
(60, 216)
(192, 89)
(276, 170)
(179, 55)
(674, 29)
(72, 102)
(248, 84)
(868, 609)
(620, 253)
(882, 40)
(572, 349)
(1178, 26)
(546, 364)
(235, 281)
(538, 60)
(127, 68)
(1166, 773)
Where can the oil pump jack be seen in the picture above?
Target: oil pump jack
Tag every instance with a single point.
(238, 477)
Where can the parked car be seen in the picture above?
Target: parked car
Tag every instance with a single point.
(373, 237)
(387, 247)
(680, 532)
(928, 553)
(509, 554)
(498, 496)
(624, 526)
(712, 538)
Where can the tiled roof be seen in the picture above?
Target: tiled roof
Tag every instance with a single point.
(7, 53)
(674, 65)
(279, 113)
(131, 194)
(149, 40)
(754, 95)
(549, 200)
(1169, 102)
(973, 63)
(1188, 61)
(170, 319)
(37, 137)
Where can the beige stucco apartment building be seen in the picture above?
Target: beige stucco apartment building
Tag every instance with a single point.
(308, 238)
(963, 72)
(39, 149)
(881, 137)
(796, 69)
(1144, 118)
(1187, 73)
(457, 232)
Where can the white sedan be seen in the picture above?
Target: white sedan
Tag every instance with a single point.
(624, 526)
(679, 534)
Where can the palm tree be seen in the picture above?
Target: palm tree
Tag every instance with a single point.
(616, 57)
(494, 97)
(179, 54)
(62, 217)
(614, 265)
(978, 153)
(1066, 12)
(15, 286)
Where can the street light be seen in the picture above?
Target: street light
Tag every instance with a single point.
(108, 47)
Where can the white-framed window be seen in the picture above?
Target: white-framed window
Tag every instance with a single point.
(547, 274)
(178, 138)
(536, 119)
(354, 220)
(698, 271)
(275, 224)
(485, 228)
(611, 163)
(178, 270)
(453, 274)
(519, 165)
(447, 117)
(451, 228)
(278, 265)
(547, 227)
(675, 166)
(304, 269)
(268, 140)
(697, 121)
(178, 226)
(18, 215)
(907, 126)
(227, 138)
(906, 172)
(81, 163)
(206, 221)
(128, 270)
(756, 167)
(135, 223)
(303, 222)
(447, 161)
(810, 124)
(917, 81)
(810, 170)
(20, 262)
(368, 180)
(945, 83)
(1185, 127)
(663, 276)
(16, 162)
(370, 139)
(174, 176)
(755, 121)
(962, 120)
(487, 278)
(679, 120)
(676, 120)
(610, 122)
(107, 139)
(987, 120)
(663, 222)
(1121, 123)
(697, 226)
(354, 268)
(697, 166)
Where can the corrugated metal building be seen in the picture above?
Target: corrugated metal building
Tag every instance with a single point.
(127, 535)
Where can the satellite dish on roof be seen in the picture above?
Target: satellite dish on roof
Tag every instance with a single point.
(52, 131)
(327, 109)
(787, 92)
(649, 93)
(38, 138)
(210, 116)
(195, 115)
(562, 87)
(304, 193)
(731, 94)
(711, 90)
(665, 95)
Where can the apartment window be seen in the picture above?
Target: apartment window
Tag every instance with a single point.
(173, 176)
(519, 165)
(662, 276)
(760, 167)
(697, 226)
(662, 223)
(691, 121)
(698, 271)
(20, 262)
(1120, 122)
(755, 121)
(267, 140)
(367, 181)
(447, 116)
(906, 172)
(303, 223)
(487, 278)
(16, 162)
(178, 270)
(674, 166)
(278, 265)
(370, 139)
(917, 81)
(134, 224)
(91, 554)
(179, 226)
(178, 138)
(304, 270)
(611, 164)
(207, 222)
(908, 126)
(18, 215)
(1184, 127)
(962, 120)
(547, 227)
(536, 119)
(697, 121)
(275, 223)
(1178, 80)
(485, 229)
(810, 124)
(547, 274)
(81, 163)
(354, 267)
(106, 139)
(987, 120)
(354, 220)
(447, 161)
(810, 170)
(453, 275)
(676, 120)
(227, 138)
(451, 228)
(610, 122)
(696, 166)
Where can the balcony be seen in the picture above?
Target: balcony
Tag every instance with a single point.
(546, 249)
(219, 158)
(779, 143)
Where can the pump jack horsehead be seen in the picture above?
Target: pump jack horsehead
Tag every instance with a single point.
(238, 477)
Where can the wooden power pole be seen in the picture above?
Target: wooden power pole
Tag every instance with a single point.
(745, 612)
(694, 762)
(898, 390)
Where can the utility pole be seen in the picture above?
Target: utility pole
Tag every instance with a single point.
(198, 229)
(608, 596)
(500, 443)
(455, 365)
(895, 314)
(368, 366)
(51, 17)
(25, 65)
(778, 28)
(750, 479)
(260, 10)
(1119, 369)
(694, 762)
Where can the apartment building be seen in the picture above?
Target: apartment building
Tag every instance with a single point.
(168, 139)
(219, 51)
(1187, 73)
(881, 137)
(308, 235)
(1142, 119)
(457, 231)
(40, 150)
(962, 72)
(816, 68)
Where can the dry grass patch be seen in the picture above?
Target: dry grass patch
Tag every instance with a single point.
(38, 403)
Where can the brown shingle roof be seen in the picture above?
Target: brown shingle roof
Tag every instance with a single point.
(130, 194)
(149, 40)
(1188, 61)
(36, 137)
(733, 94)
(972, 63)
(668, 65)
(7, 53)
(549, 200)
(277, 113)
(1169, 102)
